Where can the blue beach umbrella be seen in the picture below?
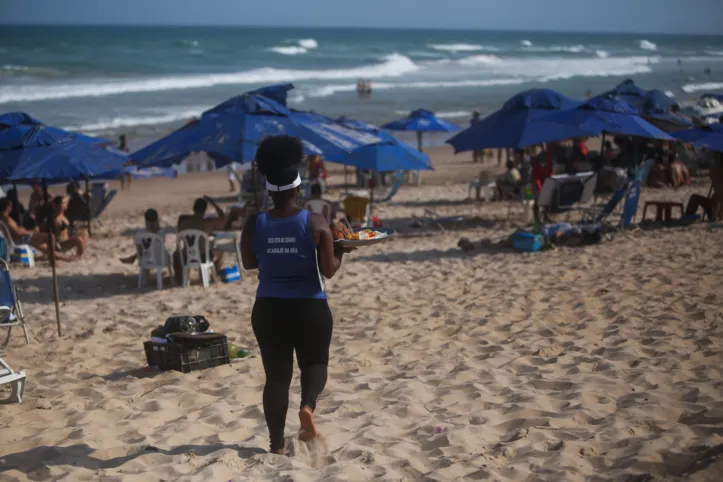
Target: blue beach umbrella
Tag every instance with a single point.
(520, 123)
(653, 105)
(601, 115)
(232, 131)
(708, 137)
(68, 159)
(420, 121)
(386, 156)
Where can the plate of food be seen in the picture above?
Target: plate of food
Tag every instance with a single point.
(354, 238)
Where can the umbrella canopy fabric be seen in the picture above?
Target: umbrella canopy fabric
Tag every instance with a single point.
(421, 120)
(653, 105)
(608, 115)
(232, 130)
(708, 137)
(520, 123)
(66, 160)
(386, 156)
(17, 130)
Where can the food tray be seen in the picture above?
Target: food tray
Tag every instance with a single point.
(387, 234)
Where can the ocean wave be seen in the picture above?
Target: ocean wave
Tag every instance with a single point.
(480, 60)
(133, 121)
(11, 69)
(328, 90)
(717, 53)
(574, 49)
(289, 50)
(443, 115)
(689, 88)
(393, 65)
(603, 54)
(670, 94)
(526, 43)
(308, 43)
(460, 47)
(302, 46)
(647, 45)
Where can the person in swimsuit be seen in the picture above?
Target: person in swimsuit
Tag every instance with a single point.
(293, 251)
(60, 225)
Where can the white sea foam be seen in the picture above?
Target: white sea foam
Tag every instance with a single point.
(453, 115)
(132, 121)
(393, 65)
(647, 45)
(717, 53)
(308, 43)
(480, 60)
(289, 50)
(603, 54)
(328, 90)
(460, 47)
(575, 49)
(526, 43)
(689, 88)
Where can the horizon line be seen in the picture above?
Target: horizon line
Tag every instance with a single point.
(330, 27)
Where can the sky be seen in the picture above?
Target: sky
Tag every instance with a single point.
(633, 16)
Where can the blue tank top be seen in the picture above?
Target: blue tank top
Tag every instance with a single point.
(286, 254)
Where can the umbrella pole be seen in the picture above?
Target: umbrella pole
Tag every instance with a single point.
(419, 141)
(51, 256)
(87, 205)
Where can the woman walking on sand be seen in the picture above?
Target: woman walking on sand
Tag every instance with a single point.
(291, 312)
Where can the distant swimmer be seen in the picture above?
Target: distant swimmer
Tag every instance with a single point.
(363, 88)
(707, 71)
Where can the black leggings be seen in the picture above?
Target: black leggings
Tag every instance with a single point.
(282, 326)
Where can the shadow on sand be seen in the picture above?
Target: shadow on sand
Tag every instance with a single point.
(36, 462)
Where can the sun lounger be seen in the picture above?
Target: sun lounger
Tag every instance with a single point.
(11, 311)
(15, 379)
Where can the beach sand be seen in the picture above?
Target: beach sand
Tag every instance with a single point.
(596, 363)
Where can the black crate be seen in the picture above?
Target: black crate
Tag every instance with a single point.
(187, 357)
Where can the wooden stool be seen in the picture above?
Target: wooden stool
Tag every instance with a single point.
(663, 210)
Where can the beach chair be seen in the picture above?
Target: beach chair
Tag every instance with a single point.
(11, 311)
(11, 246)
(563, 193)
(358, 210)
(397, 182)
(189, 247)
(100, 198)
(152, 255)
(15, 379)
(317, 206)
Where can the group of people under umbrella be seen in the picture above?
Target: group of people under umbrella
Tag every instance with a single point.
(32, 153)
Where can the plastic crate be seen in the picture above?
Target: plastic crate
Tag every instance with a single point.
(187, 357)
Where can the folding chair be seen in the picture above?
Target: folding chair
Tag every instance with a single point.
(11, 311)
(15, 379)
(562, 193)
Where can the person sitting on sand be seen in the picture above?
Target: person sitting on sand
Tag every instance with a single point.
(60, 225)
(292, 249)
(508, 186)
(153, 225)
(20, 235)
(208, 225)
(21, 216)
(678, 174)
(37, 201)
(78, 203)
(713, 205)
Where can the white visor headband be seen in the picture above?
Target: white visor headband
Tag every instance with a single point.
(288, 187)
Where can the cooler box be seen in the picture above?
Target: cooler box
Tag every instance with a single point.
(231, 274)
(529, 242)
(24, 255)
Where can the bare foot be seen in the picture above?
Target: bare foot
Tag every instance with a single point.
(308, 428)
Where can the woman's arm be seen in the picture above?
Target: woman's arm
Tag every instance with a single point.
(248, 256)
(330, 254)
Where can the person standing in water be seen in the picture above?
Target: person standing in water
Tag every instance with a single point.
(293, 251)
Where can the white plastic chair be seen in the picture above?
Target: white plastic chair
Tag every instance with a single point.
(5, 233)
(15, 379)
(188, 243)
(152, 255)
(317, 206)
